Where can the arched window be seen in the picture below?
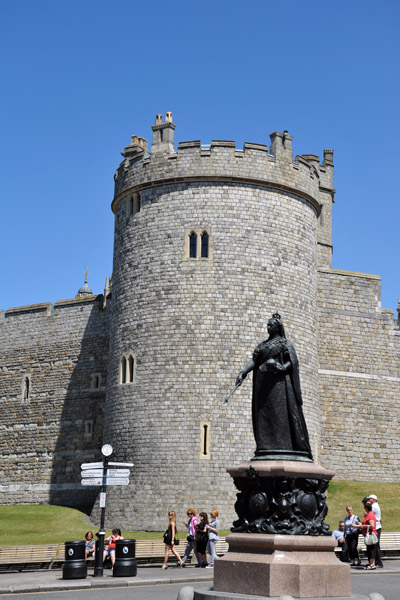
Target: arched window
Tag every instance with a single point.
(193, 245)
(127, 369)
(134, 204)
(198, 244)
(204, 244)
(131, 366)
(122, 374)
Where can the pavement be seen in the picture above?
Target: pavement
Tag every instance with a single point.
(50, 581)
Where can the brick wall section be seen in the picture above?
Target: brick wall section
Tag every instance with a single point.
(42, 442)
(359, 378)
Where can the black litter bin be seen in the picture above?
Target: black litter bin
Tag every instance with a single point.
(125, 561)
(75, 563)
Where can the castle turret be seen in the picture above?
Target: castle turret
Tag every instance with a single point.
(223, 239)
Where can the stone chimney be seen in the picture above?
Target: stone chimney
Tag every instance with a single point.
(137, 146)
(281, 145)
(328, 158)
(163, 134)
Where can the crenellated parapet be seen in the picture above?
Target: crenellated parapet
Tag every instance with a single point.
(221, 161)
(32, 313)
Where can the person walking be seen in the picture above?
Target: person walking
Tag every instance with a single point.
(202, 537)
(169, 539)
(190, 525)
(213, 528)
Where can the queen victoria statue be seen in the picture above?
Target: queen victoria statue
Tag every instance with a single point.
(279, 427)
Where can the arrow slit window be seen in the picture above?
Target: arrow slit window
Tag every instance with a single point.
(26, 389)
(205, 427)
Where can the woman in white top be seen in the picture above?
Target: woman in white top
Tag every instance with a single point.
(213, 529)
(351, 535)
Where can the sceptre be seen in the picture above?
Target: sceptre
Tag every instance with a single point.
(232, 392)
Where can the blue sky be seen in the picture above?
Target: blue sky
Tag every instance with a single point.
(78, 78)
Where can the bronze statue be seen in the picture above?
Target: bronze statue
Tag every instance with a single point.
(279, 427)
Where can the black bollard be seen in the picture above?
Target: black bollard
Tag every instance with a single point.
(75, 564)
(125, 561)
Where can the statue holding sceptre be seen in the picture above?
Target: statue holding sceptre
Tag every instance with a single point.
(279, 426)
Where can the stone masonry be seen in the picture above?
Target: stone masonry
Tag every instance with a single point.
(210, 240)
(46, 435)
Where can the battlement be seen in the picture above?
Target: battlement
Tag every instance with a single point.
(47, 310)
(220, 160)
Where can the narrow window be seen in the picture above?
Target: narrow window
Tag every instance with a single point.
(204, 244)
(88, 429)
(122, 378)
(193, 245)
(26, 389)
(131, 366)
(133, 204)
(205, 439)
(136, 203)
(95, 381)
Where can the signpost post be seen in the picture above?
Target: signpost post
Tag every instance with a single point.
(98, 564)
(98, 474)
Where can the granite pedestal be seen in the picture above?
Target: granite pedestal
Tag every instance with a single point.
(280, 543)
(272, 565)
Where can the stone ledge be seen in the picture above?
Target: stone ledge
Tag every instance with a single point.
(348, 273)
(282, 468)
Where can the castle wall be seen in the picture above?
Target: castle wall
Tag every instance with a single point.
(359, 378)
(193, 323)
(43, 440)
(186, 325)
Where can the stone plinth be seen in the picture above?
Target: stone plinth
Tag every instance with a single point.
(301, 566)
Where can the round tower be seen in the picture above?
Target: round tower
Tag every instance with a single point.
(209, 242)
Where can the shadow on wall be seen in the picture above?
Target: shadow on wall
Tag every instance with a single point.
(81, 408)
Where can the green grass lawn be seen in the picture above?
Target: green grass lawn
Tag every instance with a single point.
(342, 493)
(22, 525)
(42, 524)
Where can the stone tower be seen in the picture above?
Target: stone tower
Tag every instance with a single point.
(209, 242)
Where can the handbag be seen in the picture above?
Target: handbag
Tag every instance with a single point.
(176, 541)
(167, 537)
(371, 539)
